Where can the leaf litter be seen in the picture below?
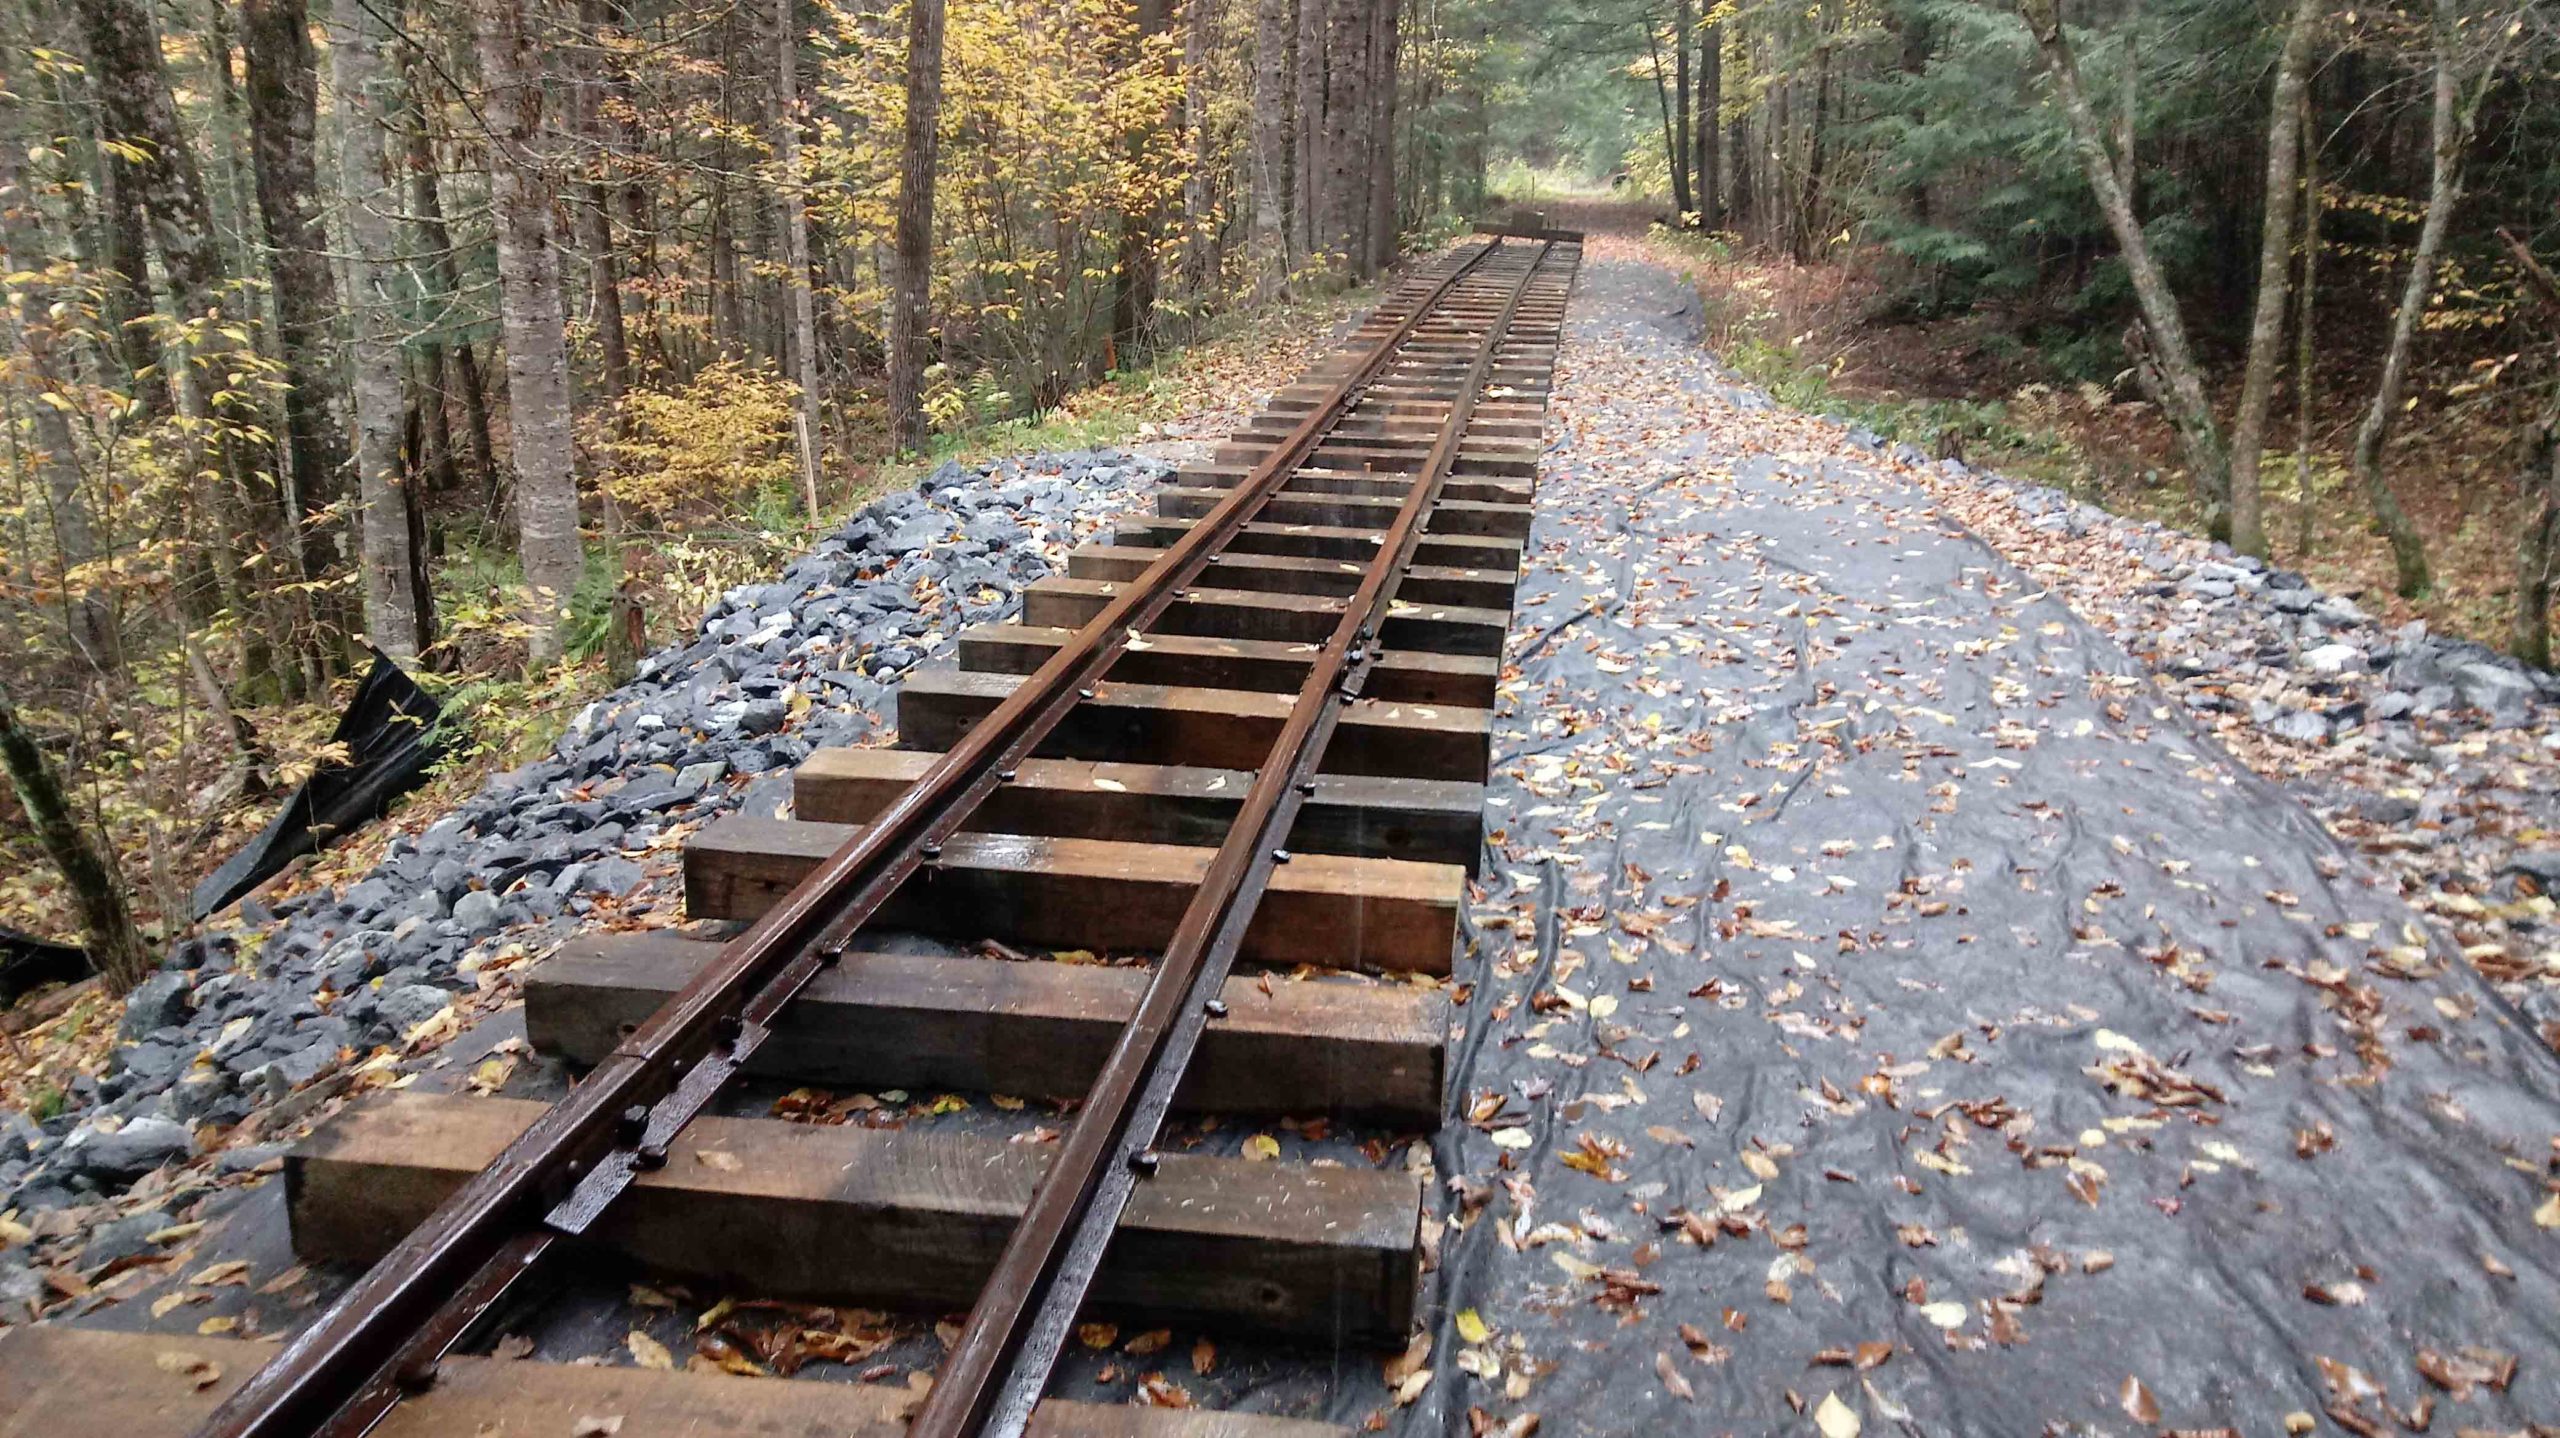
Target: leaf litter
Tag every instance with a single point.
(1868, 959)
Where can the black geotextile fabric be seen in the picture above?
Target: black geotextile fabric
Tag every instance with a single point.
(388, 733)
(1888, 1015)
(28, 962)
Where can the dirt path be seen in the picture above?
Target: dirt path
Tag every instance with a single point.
(1889, 1014)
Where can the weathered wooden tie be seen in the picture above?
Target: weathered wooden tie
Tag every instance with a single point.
(153, 1385)
(1033, 1029)
(1098, 894)
(897, 1217)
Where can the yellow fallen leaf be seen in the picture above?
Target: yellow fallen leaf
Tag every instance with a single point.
(649, 1352)
(235, 1271)
(1835, 1418)
(203, 1372)
(1511, 1138)
(1761, 1165)
(1471, 1326)
(2548, 1216)
(1261, 1148)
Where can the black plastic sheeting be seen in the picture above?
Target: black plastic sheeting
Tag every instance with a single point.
(28, 963)
(390, 738)
(1859, 910)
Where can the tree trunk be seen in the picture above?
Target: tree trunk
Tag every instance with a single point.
(115, 946)
(1309, 175)
(138, 118)
(2538, 545)
(2449, 134)
(129, 300)
(1346, 193)
(1683, 193)
(2177, 381)
(792, 219)
(1474, 140)
(1382, 138)
(1662, 101)
(2307, 314)
(283, 115)
(530, 313)
(150, 154)
(595, 214)
(1707, 133)
(438, 276)
(1133, 293)
(2275, 276)
(1268, 248)
(87, 621)
(367, 101)
(912, 270)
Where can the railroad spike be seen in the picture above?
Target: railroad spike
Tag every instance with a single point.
(1145, 1162)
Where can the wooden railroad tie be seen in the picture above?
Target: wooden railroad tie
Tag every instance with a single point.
(1099, 842)
(900, 1218)
(1031, 1029)
(145, 1385)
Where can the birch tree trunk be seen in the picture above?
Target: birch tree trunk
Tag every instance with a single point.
(366, 102)
(2275, 275)
(115, 946)
(2176, 379)
(912, 273)
(533, 320)
(1268, 246)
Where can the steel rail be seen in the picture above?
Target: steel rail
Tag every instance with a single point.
(1003, 1357)
(383, 1336)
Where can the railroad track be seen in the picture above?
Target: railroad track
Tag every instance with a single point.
(1247, 735)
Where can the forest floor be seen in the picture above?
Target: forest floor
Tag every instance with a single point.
(1898, 1008)
(1837, 337)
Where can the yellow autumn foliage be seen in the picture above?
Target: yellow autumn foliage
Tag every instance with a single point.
(1056, 121)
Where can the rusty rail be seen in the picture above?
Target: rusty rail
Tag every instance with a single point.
(1004, 1355)
(385, 1334)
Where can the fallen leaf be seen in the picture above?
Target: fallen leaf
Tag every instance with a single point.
(1835, 1418)
(203, 1372)
(2137, 1402)
(1673, 1382)
(1471, 1326)
(648, 1352)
